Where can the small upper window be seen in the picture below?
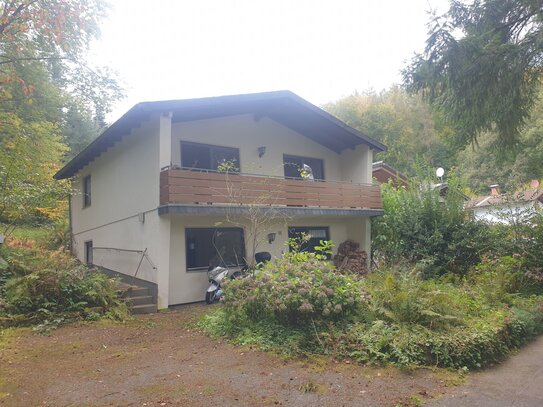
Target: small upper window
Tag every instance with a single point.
(207, 157)
(86, 191)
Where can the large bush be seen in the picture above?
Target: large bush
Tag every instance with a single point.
(295, 292)
(45, 286)
(421, 226)
(400, 296)
(397, 317)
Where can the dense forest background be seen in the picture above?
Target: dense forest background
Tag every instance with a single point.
(419, 138)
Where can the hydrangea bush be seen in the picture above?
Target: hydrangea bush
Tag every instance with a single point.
(296, 289)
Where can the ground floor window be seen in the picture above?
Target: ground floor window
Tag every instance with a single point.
(314, 234)
(88, 252)
(211, 247)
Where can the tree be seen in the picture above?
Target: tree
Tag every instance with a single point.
(57, 34)
(254, 210)
(403, 122)
(46, 86)
(481, 66)
(485, 164)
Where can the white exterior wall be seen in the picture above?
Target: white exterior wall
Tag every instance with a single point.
(245, 133)
(190, 286)
(125, 183)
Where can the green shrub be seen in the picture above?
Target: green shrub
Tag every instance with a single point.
(295, 291)
(404, 298)
(41, 285)
(402, 319)
(498, 279)
(424, 228)
(59, 291)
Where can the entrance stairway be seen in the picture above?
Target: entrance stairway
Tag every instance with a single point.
(138, 299)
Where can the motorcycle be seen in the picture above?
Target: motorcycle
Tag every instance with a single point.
(217, 274)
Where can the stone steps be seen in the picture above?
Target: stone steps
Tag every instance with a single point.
(138, 299)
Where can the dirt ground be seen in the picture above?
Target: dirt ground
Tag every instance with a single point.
(162, 360)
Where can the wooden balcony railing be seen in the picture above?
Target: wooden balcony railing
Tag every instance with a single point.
(179, 186)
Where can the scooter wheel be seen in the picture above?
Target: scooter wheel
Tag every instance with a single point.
(211, 297)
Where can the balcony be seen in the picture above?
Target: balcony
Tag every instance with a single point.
(188, 187)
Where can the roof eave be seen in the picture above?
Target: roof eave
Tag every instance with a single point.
(109, 137)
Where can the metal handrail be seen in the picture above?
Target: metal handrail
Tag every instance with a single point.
(142, 252)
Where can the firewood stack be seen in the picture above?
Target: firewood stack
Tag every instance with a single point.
(349, 257)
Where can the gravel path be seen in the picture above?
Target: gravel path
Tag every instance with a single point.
(516, 382)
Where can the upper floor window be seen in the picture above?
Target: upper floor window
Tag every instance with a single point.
(303, 167)
(86, 191)
(208, 157)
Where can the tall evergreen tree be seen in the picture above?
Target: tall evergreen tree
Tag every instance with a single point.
(481, 66)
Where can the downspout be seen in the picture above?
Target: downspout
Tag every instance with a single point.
(70, 230)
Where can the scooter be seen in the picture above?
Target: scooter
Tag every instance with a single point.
(218, 274)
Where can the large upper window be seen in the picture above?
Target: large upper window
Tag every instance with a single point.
(212, 247)
(314, 235)
(86, 191)
(303, 167)
(207, 157)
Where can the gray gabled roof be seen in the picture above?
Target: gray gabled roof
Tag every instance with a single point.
(284, 107)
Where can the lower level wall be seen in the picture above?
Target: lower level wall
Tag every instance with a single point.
(189, 286)
(111, 241)
(163, 239)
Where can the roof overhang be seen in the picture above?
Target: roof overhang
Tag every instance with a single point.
(284, 107)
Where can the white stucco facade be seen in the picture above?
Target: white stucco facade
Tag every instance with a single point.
(123, 220)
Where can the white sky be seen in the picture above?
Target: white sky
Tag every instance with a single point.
(320, 49)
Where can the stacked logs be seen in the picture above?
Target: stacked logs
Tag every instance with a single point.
(349, 257)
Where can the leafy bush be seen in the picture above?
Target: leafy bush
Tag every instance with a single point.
(40, 285)
(295, 291)
(400, 318)
(497, 279)
(420, 226)
(482, 342)
(402, 297)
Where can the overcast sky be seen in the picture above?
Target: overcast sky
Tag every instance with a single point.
(320, 49)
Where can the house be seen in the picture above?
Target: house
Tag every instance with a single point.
(505, 208)
(384, 173)
(152, 200)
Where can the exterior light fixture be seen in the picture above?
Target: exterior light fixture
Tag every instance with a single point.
(271, 237)
(261, 151)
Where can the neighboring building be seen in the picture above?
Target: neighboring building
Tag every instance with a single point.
(384, 173)
(503, 208)
(152, 201)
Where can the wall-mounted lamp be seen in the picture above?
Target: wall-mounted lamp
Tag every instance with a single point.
(271, 237)
(261, 151)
